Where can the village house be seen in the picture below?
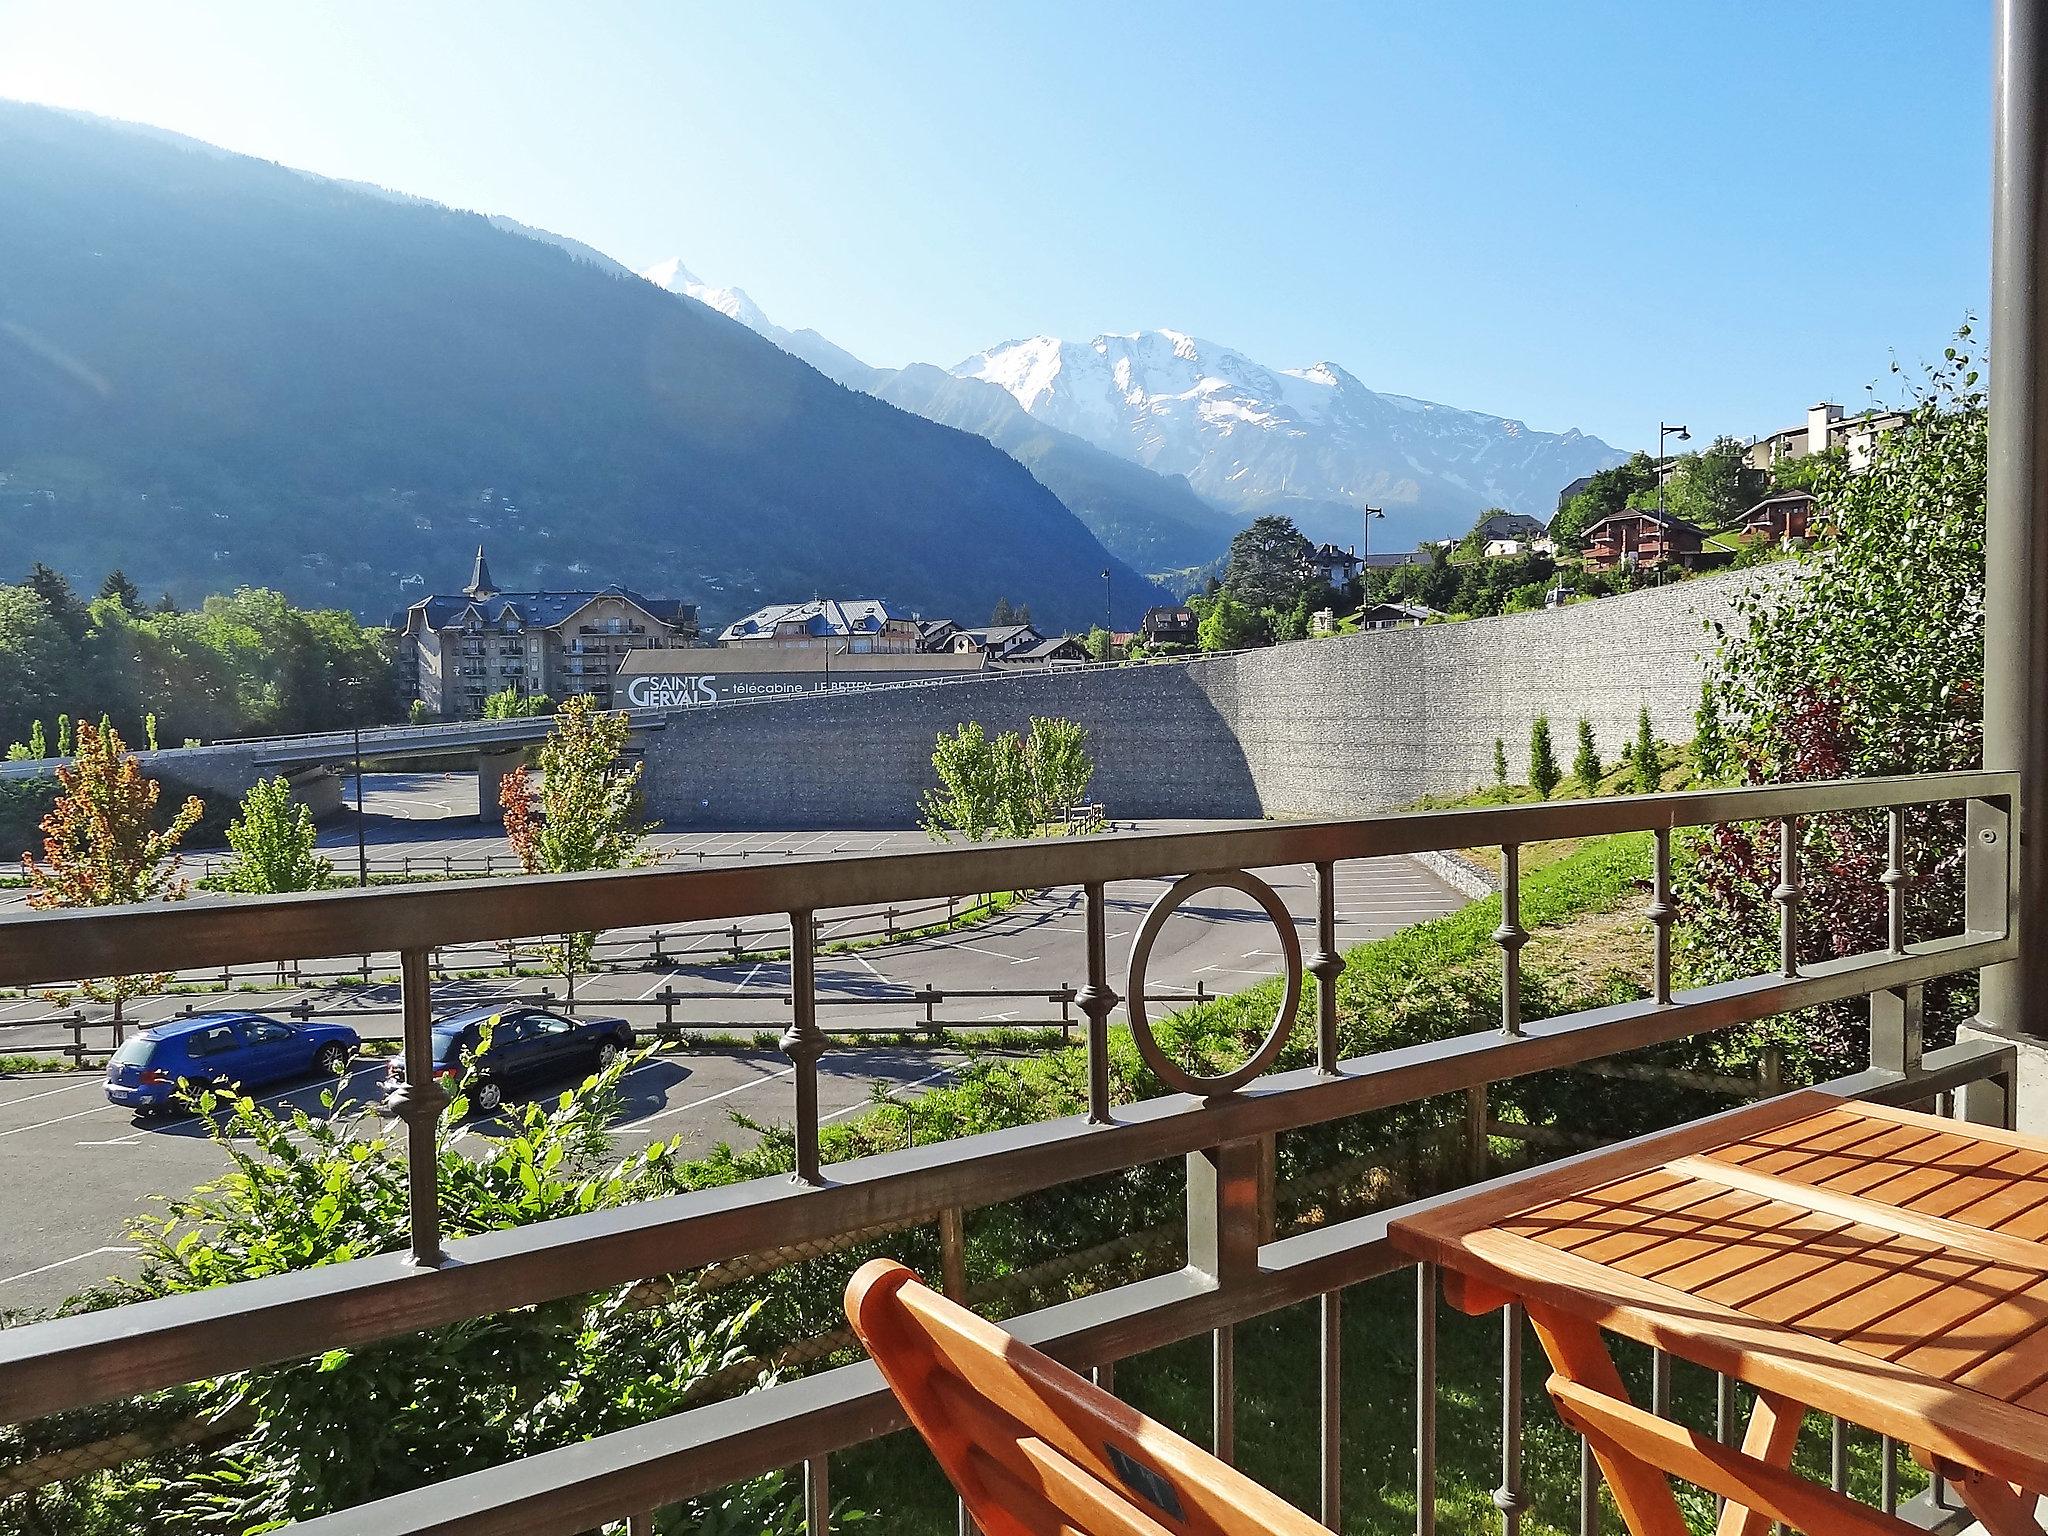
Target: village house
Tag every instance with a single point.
(1392, 615)
(1776, 519)
(856, 627)
(1642, 539)
(1174, 625)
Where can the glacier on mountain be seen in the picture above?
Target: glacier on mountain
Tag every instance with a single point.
(1243, 432)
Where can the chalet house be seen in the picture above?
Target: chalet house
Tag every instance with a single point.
(997, 642)
(1169, 626)
(1575, 488)
(936, 634)
(1062, 650)
(1395, 616)
(1642, 539)
(466, 646)
(1777, 519)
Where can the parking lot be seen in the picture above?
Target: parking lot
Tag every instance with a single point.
(80, 1169)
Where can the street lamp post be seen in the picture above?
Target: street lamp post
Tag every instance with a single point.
(1664, 474)
(1365, 548)
(362, 839)
(1108, 621)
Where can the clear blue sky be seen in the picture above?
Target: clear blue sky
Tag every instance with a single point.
(1581, 214)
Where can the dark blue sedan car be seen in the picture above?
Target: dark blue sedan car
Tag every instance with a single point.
(219, 1049)
(527, 1044)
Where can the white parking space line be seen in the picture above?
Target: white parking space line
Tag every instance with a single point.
(16, 1130)
(709, 1098)
(742, 984)
(977, 949)
(76, 1258)
(135, 1138)
(870, 1103)
(90, 1082)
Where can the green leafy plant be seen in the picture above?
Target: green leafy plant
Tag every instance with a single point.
(511, 704)
(1709, 741)
(1500, 763)
(102, 846)
(1006, 785)
(586, 815)
(350, 1425)
(1871, 664)
(273, 841)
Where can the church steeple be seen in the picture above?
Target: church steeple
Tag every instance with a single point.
(480, 583)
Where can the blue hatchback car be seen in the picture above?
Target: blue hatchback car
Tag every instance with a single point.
(218, 1049)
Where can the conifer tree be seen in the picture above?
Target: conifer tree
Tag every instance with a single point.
(1543, 770)
(1586, 765)
(1647, 759)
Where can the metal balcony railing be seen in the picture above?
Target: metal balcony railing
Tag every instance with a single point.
(1222, 1126)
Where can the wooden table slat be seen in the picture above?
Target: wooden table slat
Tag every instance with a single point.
(1870, 1262)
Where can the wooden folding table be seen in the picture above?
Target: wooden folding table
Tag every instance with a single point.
(1845, 1258)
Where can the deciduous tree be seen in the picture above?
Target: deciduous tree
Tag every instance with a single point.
(274, 841)
(587, 814)
(102, 847)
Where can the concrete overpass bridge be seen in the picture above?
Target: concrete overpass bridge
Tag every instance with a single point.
(314, 763)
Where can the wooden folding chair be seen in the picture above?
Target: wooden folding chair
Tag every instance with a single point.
(1032, 1448)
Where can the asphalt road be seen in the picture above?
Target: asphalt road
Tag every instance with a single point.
(79, 1170)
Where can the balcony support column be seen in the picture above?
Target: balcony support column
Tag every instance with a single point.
(2015, 995)
(418, 1102)
(1223, 1243)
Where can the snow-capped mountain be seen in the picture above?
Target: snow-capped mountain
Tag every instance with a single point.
(1245, 433)
(834, 362)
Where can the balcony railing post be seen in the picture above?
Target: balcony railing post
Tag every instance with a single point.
(1097, 1000)
(1896, 1014)
(1331, 1374)
(1661, 912)
(803, 1042)
(1510, 936)
(1894, 879)
(1786, 895)
(1507, 1498)
(1425, 1399)
(1223, 1243)
(418, 1102)
(1326, 965)
(818, 1496)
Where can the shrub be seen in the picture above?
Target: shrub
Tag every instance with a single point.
(1647, 759)
(1543, 770)
(1586, 765)
(1872, 664)
(351, 1425)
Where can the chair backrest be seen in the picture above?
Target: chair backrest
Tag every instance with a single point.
(1032, 1448)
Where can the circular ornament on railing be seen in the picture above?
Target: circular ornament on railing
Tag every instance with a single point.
(1169, 1071)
